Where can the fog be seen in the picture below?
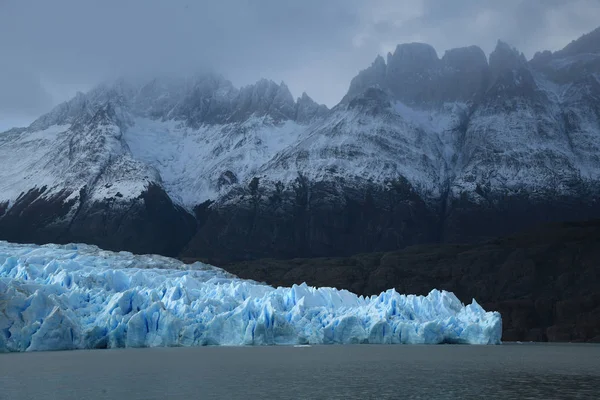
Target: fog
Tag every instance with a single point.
(51, 49)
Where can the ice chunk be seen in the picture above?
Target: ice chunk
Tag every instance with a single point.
(78, 296)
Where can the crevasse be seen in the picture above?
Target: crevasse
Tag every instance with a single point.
(78, 296)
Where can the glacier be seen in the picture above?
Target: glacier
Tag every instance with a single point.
(59, 297)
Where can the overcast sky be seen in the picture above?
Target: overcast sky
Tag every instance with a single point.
(49, 49)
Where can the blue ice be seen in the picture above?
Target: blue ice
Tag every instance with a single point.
(56, 297)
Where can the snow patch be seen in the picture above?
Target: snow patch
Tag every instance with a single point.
(25, 159)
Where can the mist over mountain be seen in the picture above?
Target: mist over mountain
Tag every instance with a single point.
(421, 149)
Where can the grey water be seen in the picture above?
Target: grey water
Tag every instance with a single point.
(509, 371)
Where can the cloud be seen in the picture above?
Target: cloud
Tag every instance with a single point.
(22, 90)
(531, 25)
(50, 49)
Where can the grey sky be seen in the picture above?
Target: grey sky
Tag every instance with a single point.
(51, 49)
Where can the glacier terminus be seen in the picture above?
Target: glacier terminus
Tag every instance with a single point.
(58, 297)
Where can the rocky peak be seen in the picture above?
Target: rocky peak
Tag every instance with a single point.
(104, 116)
(510, 74)
(411, 57)
(63, 114)
(157, 98)
(505, 58)
(307, 109)
(379, 63)
(284, 101)
(374, 76)
(416, 76)
(264, 98)
(205, 99)
(119, 93)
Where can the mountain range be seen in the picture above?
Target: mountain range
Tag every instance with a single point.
(421, 149)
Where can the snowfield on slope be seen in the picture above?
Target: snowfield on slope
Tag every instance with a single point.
(191, 161)
(78, 296)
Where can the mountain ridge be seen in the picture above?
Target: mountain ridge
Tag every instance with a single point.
(422, 149)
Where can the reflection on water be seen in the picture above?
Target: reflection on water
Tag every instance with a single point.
(317, 372)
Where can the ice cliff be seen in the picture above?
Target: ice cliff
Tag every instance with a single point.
(78, 296)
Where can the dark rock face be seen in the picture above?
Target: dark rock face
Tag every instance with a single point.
(505, 58)
(545, 282)
(467, 222)
(149, 224)
(315, 219)
(409, 72)
(34, 218)
(466, 74)
(312, 219)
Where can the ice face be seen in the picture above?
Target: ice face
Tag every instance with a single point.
(78, 296)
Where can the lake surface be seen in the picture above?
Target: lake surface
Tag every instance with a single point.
(510, 371)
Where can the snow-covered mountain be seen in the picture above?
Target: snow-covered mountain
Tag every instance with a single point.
(421, 149)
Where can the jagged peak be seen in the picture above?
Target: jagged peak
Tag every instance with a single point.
(284, 91)
(505, 50)
(379, 61)
(267, 88)
(283, 95)
(259, 88)
(305, 98)
(103, 115)
(372, 76)
(307, 109)
(415, 74)
(506, 57)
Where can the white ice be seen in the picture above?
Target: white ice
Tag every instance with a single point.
(77, 296)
